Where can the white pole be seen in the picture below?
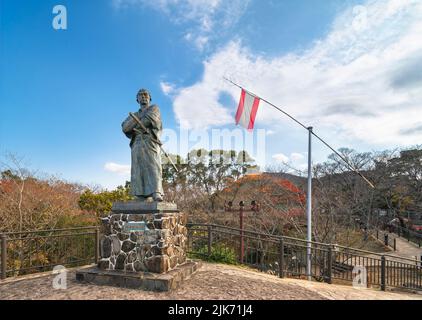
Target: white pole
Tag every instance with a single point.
(309, 209)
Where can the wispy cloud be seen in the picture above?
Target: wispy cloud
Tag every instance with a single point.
(294, 158)
(166, 88)
(362, 80)
(417, 129)
(270, 132)
(204, 19)
(117, 168)
(297, 156)
(281, 158)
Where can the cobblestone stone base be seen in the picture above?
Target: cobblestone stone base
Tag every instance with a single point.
(143, 242)
(139, 280)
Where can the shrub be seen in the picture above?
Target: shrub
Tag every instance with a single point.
(100, 203)
(219, 253)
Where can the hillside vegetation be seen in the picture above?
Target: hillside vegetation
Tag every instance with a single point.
(208, 181)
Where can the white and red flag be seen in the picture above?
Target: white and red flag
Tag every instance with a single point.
(247, 109)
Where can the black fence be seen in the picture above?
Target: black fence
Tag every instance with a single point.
(287, 257)
(36, 251)
(386, 237)
(410, 235)
(29, 252)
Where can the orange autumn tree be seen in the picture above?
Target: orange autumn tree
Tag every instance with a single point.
(282, 204)
(31, 201)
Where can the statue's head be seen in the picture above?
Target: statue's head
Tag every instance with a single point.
(143, 97)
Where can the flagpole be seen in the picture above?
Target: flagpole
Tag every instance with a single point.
(309, 209)
(309, 191)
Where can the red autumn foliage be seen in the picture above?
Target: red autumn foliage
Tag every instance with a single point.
(34, 204)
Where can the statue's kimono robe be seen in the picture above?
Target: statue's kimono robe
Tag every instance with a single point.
(146, 171)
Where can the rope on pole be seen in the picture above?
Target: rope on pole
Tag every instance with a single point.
(350, 166)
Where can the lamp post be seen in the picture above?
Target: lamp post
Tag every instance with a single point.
(255, 207)
(242, 247)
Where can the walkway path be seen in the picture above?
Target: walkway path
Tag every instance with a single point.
(404, 248)
(212, 281)
(407, 249)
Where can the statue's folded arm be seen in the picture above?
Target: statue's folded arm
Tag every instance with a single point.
(128, 125)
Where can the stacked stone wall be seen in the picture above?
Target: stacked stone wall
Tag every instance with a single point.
(143, 242)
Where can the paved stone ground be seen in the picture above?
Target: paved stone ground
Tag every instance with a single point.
(211, 282)
(407, 249)
(404, 249)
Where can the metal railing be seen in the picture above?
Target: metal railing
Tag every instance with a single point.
(286, 257)
(409, 235)
(35, 251)
(29, 252)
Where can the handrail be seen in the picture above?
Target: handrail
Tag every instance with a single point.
(51, 230)
(75, 239)
(278, 237)
(284, 256)
(54, 236)
(278, 247)
(380, 255)
(410, 231)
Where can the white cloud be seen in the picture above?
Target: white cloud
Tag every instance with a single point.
(297, 157)
(167, 88)
(201, 42)
(188, 36)
(270, 132)
(292, 164)
(280, 157)
(362, 82)
(117, 168)
(203, 14)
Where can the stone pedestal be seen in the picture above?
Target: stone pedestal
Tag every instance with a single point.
(139, 280)
(143, 237)
(143, 246)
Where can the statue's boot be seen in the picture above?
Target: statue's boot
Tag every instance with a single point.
(157, 196)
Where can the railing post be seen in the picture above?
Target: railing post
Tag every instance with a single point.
(190, 235)
(377, 234)
(209, 240)
(281, 259)
(242, 245)
(386, 239)
(395, 244)
(383, 273)
(330, 265)
(97, 245)
(3, 256)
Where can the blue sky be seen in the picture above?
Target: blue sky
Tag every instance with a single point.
(349, 68)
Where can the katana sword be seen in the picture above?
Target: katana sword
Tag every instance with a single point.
(145, 131)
